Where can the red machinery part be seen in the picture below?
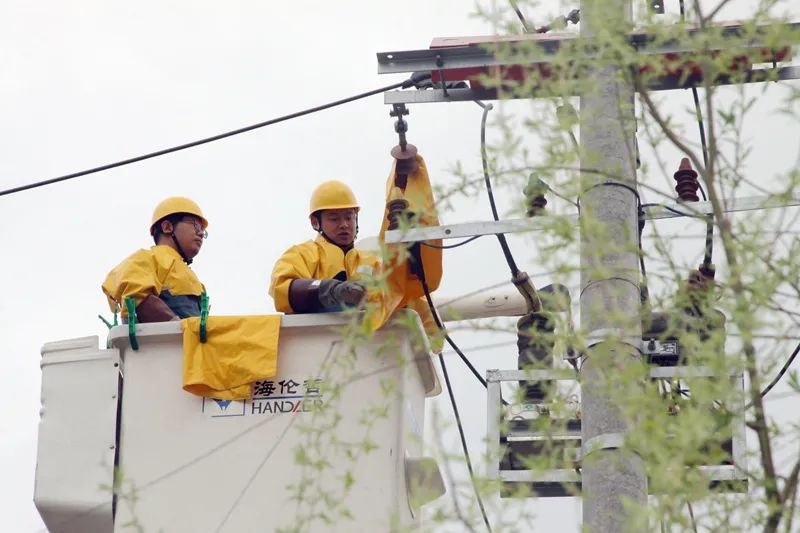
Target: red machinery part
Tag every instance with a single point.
(680, 65)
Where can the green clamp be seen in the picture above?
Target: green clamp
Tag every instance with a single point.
(203, 317)
(130, 306)
(108, 324)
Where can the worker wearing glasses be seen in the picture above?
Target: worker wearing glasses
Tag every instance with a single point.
(159, 278)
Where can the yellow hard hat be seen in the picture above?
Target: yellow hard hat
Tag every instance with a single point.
(174, 205)
(332, 194)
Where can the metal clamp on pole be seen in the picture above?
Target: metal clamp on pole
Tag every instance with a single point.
(604, 441)
(601, 335)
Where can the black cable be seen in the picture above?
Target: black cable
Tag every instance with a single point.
(419, 270)
(709, 245)
(668, 208)
(404, 84)
(449, 246)
(709, 249)
(644, 292)
(463, 441)
(691, 516)
(520, 16)
(512, 265)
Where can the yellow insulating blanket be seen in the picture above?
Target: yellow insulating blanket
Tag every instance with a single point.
(400, 287)
(239, 351)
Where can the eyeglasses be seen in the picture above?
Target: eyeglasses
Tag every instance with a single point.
(198, 226)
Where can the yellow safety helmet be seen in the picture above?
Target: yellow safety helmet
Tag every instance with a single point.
(332, 194)
(174, 205)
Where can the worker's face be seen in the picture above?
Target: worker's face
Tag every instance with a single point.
(339, 225)
(189, 233)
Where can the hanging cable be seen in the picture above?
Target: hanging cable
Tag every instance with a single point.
(573, 16)
(404, 84)
(520, 16)
(668, 208)
(709, 249)
(709, 245)
(512, 265)
(449, 246)
(419, 271)
(463, 441)
(691, 516)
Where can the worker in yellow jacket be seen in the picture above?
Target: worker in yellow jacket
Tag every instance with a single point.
(322, 275)
(159, 279)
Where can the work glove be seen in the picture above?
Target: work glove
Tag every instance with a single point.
(335, 293)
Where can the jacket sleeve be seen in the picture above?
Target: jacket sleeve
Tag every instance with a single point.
(298, 262)
(136, 276)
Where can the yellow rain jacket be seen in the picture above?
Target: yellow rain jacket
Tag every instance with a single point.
(317, 259)
(159, 270)
(239, 351)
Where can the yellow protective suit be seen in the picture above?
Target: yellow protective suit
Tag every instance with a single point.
(317, 259)
(239, 351)
(152, 271)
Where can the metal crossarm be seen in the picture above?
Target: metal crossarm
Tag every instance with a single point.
(434, 96)
(471, 58)
(651, 212)
(459, 53)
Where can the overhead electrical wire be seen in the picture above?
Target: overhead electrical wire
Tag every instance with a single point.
(463, 441)
(404, 84)
(520, 16)
(420, 272)
(501, 238)
(709, 245)
(449, 246)
(670, 209)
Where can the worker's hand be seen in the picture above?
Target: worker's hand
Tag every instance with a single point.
(335, 293)
(350, 293)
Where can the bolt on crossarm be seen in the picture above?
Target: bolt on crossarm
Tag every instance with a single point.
(612, 478)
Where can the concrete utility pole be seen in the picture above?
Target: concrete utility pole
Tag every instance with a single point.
(610, 293)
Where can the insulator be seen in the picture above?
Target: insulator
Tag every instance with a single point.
(395, 207)
(534, 196)
(687, 182)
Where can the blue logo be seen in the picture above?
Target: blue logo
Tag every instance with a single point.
(223, 404)
(215, 408)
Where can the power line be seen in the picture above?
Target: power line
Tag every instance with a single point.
(501, 238)
(404, 84)
(449, 246)
(463, 440)
(709, 245)
(520, 16)
(420, 271)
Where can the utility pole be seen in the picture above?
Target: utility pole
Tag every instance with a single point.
(610, 284)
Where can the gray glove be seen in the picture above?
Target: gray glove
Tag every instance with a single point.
(334, 293)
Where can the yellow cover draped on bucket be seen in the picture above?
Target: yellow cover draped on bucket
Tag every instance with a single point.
(401, 286)
(239, 351)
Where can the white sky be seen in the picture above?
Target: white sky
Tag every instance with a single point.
(86, 83)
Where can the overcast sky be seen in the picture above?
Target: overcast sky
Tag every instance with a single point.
(91, 82)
